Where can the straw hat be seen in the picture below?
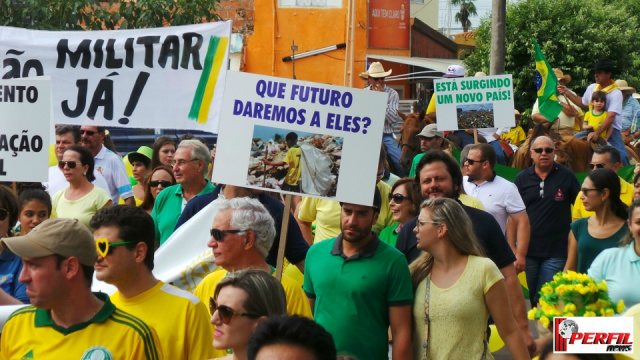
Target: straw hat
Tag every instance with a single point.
(561, 76)
(623, 86)
(479, 74)
(377, 71)
(363, 75)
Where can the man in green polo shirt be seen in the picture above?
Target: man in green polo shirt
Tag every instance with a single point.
(190, 164)
(358, 286)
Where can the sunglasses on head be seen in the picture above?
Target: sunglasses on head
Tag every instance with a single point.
(546, 150)
(164, 183)
(104, 247)
(398, 198)
(219, 234)
(72, 164)
(88, 132)
(594, 166)
(3, 214)
(226, 313)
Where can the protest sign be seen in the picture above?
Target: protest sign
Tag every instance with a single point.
(338, 131)
(170, 77)
(474, 102)
(25, 121)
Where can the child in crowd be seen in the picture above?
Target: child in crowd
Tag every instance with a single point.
(292, 160)
(595, 116)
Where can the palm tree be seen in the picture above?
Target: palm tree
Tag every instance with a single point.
(467, 9)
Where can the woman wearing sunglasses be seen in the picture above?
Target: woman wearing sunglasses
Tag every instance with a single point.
(591, 235)
(81, 199)
(404, 202)
(240, 302)
(158, 179)
(456, 289)
(12, 292)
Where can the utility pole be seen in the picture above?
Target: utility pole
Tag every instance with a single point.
(498, 29)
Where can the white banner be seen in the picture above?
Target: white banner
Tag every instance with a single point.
(474, 102)
(25, 120)
(338, 130)
(171, 77)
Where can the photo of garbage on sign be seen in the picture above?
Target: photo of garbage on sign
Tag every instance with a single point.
(475, 116)
(294, 161)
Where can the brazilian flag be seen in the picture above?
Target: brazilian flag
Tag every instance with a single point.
(547, 82)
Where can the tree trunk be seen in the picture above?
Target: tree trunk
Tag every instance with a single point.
(498, 29)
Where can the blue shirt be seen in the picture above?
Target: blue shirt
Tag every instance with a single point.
(10, 268)
(620, 268)
(630, 112)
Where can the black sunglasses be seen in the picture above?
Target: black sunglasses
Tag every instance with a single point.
(471, 162)
(398, 198)
(3, 214)
(546, 150)
(593, 166)
(219, 234)
(164, 183)
(72, 164)
(226, 313)
(88, 132)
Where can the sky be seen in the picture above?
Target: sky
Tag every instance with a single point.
(483, 7)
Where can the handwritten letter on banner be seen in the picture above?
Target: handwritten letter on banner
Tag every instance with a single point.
(170, 77)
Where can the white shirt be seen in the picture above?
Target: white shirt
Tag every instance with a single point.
(499, 197)
(112, 168)
(58, 182)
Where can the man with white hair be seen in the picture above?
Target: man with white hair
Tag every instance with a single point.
(241, 236)
(190, 164)
(375, 77)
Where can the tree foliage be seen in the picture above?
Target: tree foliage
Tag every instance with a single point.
(572, 34)
(99, 15)
(467, 9)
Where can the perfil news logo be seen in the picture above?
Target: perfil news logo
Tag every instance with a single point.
(593, 335)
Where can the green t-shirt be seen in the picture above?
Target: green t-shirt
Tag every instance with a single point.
(353, 296)
(414, 163)
(389, 234)
(167, 209)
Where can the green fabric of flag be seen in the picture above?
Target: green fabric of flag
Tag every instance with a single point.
(546, 82)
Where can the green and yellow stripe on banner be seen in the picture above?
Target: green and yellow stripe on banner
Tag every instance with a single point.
(206, 86)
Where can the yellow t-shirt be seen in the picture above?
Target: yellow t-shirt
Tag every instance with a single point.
(30, 333)
(179, 318)
(326, 214)
(515, 136)
(459, 309)
(297, 302)
(82, 209)
(293, 174)
(626, 195)
(431, 108)
(471, 201)
(595, 121)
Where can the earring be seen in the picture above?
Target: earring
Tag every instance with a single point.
(84, 174)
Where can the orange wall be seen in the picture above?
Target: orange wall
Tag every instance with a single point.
(311, 29)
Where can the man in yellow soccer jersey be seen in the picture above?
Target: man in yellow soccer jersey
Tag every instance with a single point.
(124, 238)
(66, 320)
(292, 161)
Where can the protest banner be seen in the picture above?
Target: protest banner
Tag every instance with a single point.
(25, 122)
(474, 102)
(338, 132)
(170, 77)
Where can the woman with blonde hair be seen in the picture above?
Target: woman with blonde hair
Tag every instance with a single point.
(241, 301)
(456, 289)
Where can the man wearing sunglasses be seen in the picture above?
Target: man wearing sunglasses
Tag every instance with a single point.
(67, 136)
(67, 320)
(439, 175)
(109, 164)
(124, 242)
(358, 286)
(604, 157)
(548, 190)
(241, 236)
(499, 197)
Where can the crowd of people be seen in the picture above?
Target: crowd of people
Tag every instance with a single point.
(418, 273)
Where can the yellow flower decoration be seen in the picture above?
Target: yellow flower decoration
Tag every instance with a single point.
(545, 321)
(620, 308)
(531, 315)
(560, 290)
(589, 314)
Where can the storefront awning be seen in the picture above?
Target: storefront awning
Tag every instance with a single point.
(433, 67)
